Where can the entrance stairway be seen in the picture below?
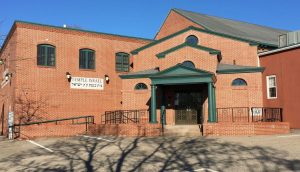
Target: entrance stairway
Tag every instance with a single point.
(182, 130)
(2, 138)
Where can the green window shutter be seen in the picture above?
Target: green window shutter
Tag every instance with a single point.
(45, 55)
(81, 59)
(122, 62)
(50, 56)
(126, 63)
(86, 59)
(91, 60)
(40, 56)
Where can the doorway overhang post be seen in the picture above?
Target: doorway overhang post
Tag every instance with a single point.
(163, 106)
(211, 115)
(214, 105)
(153, 117)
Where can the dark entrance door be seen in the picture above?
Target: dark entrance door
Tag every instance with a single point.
(188, 108)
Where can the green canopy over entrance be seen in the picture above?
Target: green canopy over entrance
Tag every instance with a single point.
(182, 75)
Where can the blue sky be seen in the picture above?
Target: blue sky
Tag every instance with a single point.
(143, 18)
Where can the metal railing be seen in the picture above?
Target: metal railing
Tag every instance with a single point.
(73, 121)
(233, 114)
(124, 116)
(265, 114)
(246, 114)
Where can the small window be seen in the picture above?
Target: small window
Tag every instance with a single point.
(239, 82)
(140, 86)
(45, 55)
(192, 40)
(271, 87)
(188, 64)
(122, 62)
(86, 59)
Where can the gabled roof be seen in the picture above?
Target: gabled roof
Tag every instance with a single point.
(229, 69)
(287, 48)
(251, 42)
(178, 70)
(199, 47)
(140, 74)
(180, 74)
(181, 70)
(234, 28)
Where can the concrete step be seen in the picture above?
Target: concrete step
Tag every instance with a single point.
(2, 138)
(182, 130)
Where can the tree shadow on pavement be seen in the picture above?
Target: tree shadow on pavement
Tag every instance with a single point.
(149, 154)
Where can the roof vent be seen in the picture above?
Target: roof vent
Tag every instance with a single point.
(288, 39)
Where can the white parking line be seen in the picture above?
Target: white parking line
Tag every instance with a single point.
(98, 138)
(30, 141)
(205, 169)
(290, 136)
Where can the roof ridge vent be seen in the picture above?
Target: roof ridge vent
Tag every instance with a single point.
(288, 39)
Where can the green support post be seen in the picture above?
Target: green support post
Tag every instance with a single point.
(163, 106)
(214, 105)
(210, 102)
(153, 119)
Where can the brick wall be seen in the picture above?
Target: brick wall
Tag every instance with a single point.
(239, 96)
(50, 83)
(125, 129)
(231, 50)
(226, 94)
(242, 129)
(52, 130)
(8, 55)
(285, 66)
(174, 23)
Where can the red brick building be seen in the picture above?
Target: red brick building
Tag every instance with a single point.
(281, 80)
(199, 70)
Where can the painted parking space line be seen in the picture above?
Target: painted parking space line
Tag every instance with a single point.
(290, 136)
(97, 138)
(32, 142)
(205, 169)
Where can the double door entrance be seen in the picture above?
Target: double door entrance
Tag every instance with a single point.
(188, 108)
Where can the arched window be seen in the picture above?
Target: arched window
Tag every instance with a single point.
(192, 40)
(86, 59)
(122, 62)
(239, 82)
(45, 55)
(188, 64)
(140, 86)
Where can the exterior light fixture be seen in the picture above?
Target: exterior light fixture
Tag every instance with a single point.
(2, 61)
(8, 76)
(69, 76)
(106, 78)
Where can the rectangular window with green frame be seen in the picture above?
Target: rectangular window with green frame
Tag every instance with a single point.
(45, 55)
(86, 59)
(122, 62)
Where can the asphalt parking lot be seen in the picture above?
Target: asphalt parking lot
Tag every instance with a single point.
(82, 153)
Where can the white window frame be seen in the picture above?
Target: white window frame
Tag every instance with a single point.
(268, 87)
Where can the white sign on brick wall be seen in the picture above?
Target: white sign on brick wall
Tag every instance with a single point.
(257, 111)
(87, 83)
